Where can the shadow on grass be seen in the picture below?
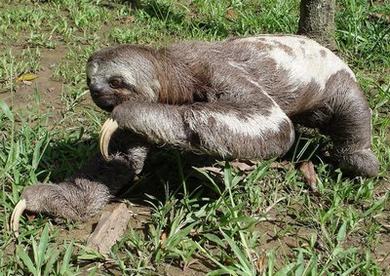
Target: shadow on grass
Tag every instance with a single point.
(62, 159)
(65, 159)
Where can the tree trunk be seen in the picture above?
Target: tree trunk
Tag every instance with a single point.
(317, 21)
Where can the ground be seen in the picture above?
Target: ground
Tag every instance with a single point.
(191, 215)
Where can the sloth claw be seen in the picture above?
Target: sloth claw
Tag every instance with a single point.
(16, 214)
(108, 128)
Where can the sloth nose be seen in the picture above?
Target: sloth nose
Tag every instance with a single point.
(95, 88)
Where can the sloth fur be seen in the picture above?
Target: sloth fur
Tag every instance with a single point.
(238, 98)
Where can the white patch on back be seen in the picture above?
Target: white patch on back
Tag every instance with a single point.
(255, 126)
(240, 67)
(303, 67)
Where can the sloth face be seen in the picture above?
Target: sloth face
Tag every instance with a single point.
(120, 74)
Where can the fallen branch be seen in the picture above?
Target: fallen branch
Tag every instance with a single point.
(110, 228)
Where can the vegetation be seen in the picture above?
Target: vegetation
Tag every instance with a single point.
(258, 218)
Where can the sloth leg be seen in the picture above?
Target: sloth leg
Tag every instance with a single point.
(75, 200)
(81, 196)
(350, 129)
(220, 129)
(89, 190)
(346, 118)
(131, 147)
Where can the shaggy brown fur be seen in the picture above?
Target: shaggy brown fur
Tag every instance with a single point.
(233, 99)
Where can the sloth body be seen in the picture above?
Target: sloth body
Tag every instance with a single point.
(237, 98)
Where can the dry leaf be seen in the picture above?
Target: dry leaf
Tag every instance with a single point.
(27, 77)
(213, 170)
(231, 14)
(261, 264)
(186, 265)
(242, 166)
(163, 238)
(307, 169)
(110, 228)
(31, 217)
(281, 165)
(128, 19)
(380, 16)
(193, 233)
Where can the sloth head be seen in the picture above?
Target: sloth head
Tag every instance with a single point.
(122, 73)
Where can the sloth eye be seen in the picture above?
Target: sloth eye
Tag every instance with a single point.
(115, 83)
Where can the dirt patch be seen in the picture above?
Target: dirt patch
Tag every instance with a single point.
(140, 215)
(195, 269)
(281, 234)
(44, 87)
(382, 251)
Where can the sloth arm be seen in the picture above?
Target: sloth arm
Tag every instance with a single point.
(91, 188)
(227, 129)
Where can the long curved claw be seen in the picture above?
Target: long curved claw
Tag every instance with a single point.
(16, 214)
(108, 128)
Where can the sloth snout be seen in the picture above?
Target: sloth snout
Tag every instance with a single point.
(95, 89)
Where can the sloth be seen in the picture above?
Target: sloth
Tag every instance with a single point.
(238, 98)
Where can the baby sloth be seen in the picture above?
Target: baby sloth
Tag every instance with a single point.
(237, 98)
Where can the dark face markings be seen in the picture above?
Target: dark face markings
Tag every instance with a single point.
(116, 82)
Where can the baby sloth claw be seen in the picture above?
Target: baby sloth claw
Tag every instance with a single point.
(108, 128)
(16, 214)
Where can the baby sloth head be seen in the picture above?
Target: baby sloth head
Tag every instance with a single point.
(122, 73)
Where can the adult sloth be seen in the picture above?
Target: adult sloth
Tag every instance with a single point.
(237, 98)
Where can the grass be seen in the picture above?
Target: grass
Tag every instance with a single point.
(265, 220)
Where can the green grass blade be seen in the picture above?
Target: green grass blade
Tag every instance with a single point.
(43, 243)
(52, 257)
(226, 269)
(342, 232)
(21, 253)
(245, 263)
(6, 110)
(66, 260)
